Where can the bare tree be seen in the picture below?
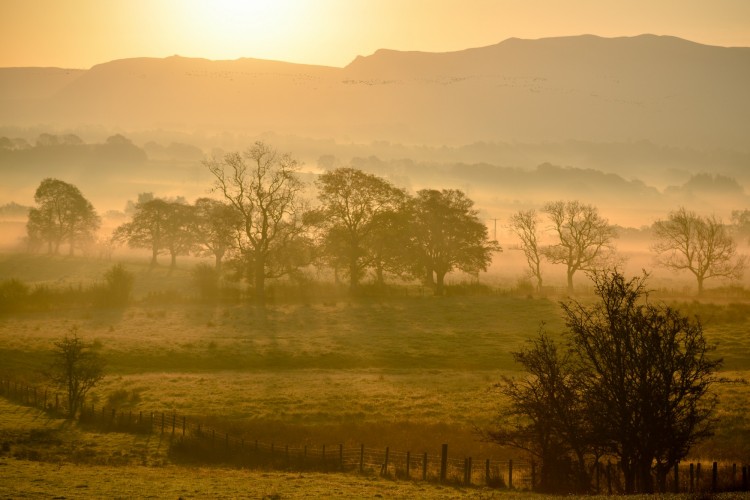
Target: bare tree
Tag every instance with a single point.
(524, 224)
(77, 368)
(585, 238)
(632, 381)
(700, 245)
(648, 377)
(263, 187)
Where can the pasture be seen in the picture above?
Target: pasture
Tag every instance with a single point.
(404, 369)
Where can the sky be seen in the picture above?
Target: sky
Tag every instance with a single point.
(82, 33)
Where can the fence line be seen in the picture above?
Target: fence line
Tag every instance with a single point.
(190, 439)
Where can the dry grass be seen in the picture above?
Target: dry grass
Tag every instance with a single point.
(409, 372)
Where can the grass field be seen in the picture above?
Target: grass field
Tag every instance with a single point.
(410, 372)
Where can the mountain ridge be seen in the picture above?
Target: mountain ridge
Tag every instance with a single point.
(648, 87)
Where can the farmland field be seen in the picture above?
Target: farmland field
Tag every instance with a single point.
(405, 370)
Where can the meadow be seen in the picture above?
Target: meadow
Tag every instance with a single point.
(401, 369)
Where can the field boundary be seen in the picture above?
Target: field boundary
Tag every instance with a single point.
(193, 442)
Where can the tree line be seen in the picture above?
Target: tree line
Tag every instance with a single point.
(262, 226)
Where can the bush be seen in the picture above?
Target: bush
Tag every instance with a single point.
(119, 285)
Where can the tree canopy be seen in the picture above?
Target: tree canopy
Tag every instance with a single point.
(446, 235)
(62, 214)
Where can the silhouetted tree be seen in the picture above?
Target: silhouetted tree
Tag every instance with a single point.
(633, 383)
(585, 238)
(524, 224)
(546, 416)
(263, 188)
(178, 236)
(215, 226)
(700, 245)
(62, 214)
(147, 228)
(647, 377)
(353, 215)
(76, 367)
(446, 234)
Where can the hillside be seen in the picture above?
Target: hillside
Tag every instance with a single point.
(663, 89)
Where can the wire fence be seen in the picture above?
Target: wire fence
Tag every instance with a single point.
(191, 441)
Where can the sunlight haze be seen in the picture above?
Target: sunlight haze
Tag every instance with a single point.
(82, 33)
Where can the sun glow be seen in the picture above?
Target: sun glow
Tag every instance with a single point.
(228, 29)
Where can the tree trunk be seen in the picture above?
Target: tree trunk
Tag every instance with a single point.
(571, 272)
(154, 253)
(260, 279)
(353, 273)
(217, 263)
(173, 264)
(538, 282)
(700, 285)
(439, 284)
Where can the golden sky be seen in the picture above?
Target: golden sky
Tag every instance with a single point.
(81, 33)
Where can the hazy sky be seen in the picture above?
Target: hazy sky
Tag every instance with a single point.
(81, 33)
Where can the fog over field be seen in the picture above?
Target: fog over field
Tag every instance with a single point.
(367, 233)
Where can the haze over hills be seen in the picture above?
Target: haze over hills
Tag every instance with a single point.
(661, 89)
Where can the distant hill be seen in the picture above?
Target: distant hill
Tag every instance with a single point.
(662, 89)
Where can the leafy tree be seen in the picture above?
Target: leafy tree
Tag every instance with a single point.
(263, 188)
(214, 227)
(700, 245)
(177, 236)
(524, 224)
(446, 235)
(356, 209)
(77, 367)
(585, 238)
(62, 214)
(147, 229)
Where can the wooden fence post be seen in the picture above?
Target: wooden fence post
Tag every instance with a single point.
(510, 474)
(443, 463)
(424, 466)
(714, 476)
(698, 476)
(744, 478)
(692, 478)
(384, 470)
